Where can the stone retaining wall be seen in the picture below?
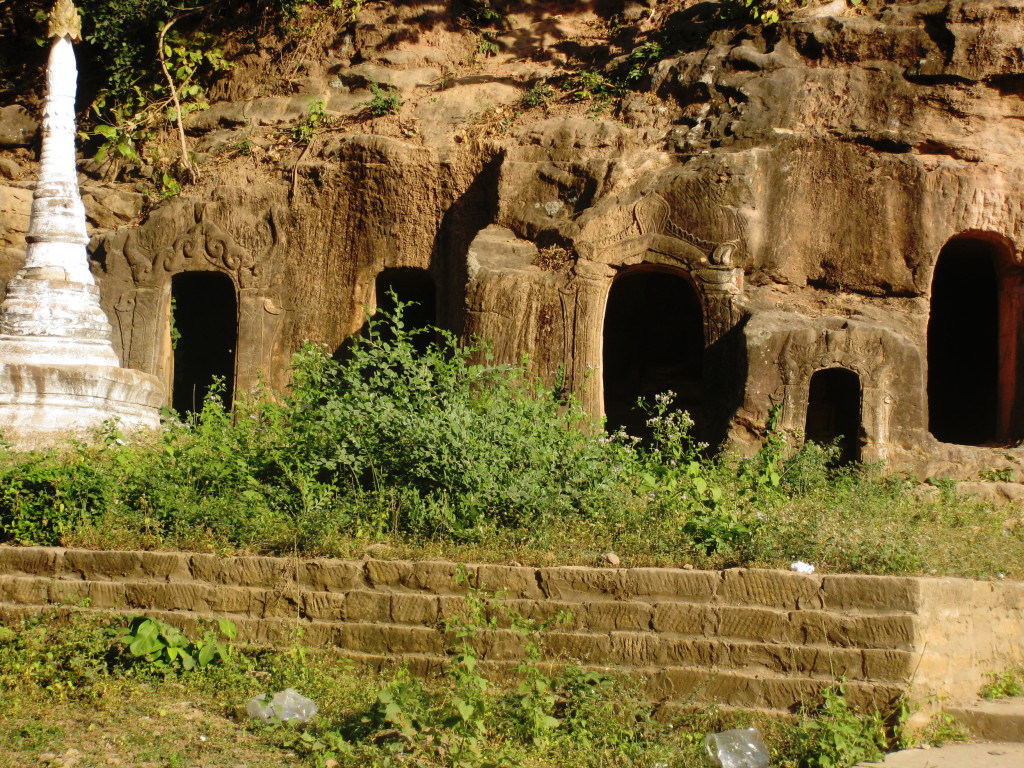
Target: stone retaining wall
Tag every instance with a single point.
(759, 639)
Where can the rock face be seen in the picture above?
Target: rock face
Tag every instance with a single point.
(59, 374)
(821, 219)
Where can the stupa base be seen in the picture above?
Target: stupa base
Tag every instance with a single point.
(45, 405)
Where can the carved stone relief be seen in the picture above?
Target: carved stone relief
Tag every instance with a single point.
(152, 254)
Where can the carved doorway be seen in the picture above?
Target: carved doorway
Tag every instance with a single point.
(204, 323)
(834, 411)
(973, 344)
(416, 288)
(653, 343)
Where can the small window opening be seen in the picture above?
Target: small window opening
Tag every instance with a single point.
(834, 413)
(653, 342)
(204, 334)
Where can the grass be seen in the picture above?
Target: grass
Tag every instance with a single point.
(413, 450)
(74, 694)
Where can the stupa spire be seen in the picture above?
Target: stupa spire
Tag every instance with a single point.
(59, 374)
(52, 310)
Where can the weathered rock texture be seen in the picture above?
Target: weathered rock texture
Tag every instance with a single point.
(744, 638)
(59, 374)
(799, 181)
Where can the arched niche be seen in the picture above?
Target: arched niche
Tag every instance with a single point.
(653, 342)
(834, 411)
(203, 337)
(974, 343)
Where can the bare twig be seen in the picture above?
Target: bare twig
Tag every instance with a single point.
(190, 168)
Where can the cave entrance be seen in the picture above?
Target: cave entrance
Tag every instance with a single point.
(204, 322)
(416, 288)
(973, 343)
(653, 342)
(834, 413)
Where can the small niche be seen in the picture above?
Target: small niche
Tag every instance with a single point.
(834, 411)
(653, 342)
(205, 333)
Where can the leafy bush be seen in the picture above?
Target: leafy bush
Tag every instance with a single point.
(833, 735)
(385, 101)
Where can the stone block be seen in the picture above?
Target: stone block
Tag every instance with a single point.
(67, 592)
(579, 584)
(578, 646)
(325, 575)
(367, 606)
(35, 561)
(870, 593)
(165, 566)
(636, 649)
(328, 606)
(552, 614)
(415, 609)
(896, 631)
(24, 590)
(99, 565)
(501, 645)
(761, 624)
(686, 618)
(769, 589)
(240, 600)
(438, 577)
(617, 615)
(686, 651)
(267, 572)
(105, 594)
(387, 573)
(385, 638)
(517, 583)
(656, 584)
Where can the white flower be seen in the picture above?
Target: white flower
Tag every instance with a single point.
(801, 567)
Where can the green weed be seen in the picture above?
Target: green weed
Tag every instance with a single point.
(385, 101)
(1004, 684)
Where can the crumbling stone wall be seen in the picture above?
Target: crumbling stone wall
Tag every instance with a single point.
(744, 638)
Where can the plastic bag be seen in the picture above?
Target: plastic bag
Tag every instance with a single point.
(285, 705)
(741, 748)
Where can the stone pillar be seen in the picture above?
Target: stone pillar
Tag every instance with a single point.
(59, 374)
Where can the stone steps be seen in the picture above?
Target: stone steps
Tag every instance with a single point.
(999, 720)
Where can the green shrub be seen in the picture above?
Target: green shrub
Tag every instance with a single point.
(833, 735)
(385, 101)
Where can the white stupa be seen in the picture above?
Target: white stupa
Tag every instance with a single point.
(59, 374)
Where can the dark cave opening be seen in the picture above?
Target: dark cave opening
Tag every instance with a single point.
(653, 342)
(205, 323)
(963, 344)
(416, 288)
(834, 411)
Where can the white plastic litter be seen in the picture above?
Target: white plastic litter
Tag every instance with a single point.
(740, 748)
(801, 567)
(285, 705)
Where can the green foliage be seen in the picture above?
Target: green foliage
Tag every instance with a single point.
(167, 649)
(943, 728)
(765, 12)
(135, 99)
(486, 45)
(1004, 684)
(590, 85)
(309, 126)
(385, 101)
(538, 95)
(59, 653)
(833, 735)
